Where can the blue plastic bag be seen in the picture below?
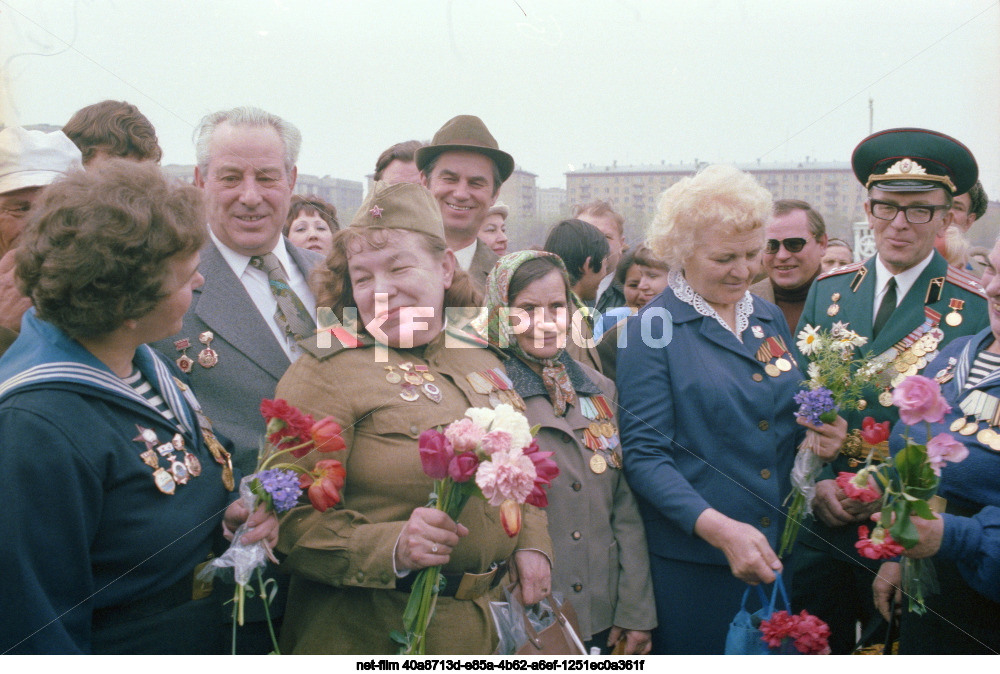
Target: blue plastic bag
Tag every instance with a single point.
(744, 636)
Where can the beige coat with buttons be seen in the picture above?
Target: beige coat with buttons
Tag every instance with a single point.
(601, 562)
(342, 597)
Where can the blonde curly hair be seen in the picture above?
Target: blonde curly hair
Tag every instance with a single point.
(719, 195)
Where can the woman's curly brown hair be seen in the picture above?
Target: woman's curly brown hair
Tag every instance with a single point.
(97, 249)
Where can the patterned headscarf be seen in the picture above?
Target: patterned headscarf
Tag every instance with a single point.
(499, 333)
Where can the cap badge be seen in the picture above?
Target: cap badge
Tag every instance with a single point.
(376, 212)
(907, 165)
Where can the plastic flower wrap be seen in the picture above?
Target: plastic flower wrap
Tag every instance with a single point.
(278, 487)
(488, 453)
(836, 382)
(908, 481)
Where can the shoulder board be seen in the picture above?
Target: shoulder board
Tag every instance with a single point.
(964, 280)
(851, 268)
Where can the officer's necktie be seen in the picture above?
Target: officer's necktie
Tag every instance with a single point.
(886, 308)
(291, 314)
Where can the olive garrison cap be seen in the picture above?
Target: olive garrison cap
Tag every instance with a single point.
(914, 160)
(466, 133)
(400, 206)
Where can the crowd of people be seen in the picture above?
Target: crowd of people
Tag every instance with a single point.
(143, 320)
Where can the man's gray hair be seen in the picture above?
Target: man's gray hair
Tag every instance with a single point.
(290, 136)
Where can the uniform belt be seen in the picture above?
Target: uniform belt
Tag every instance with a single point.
(464, 586)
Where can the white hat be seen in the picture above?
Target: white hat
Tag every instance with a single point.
(499, 208)
(34, 158)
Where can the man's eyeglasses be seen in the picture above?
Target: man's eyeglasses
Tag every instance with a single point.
(771, 246)
(915, 215)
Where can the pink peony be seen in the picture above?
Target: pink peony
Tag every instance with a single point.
(465, 435)
(919, 399)
(943, 447)
(495, 441)
(859, 486)
(879, 546)
(463, 466)
(874, 433)
(506, 476)
(435, 453)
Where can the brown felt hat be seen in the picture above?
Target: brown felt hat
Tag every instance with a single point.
(466, 133)
(400, 206)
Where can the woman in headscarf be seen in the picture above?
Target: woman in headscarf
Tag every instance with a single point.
(600, 545)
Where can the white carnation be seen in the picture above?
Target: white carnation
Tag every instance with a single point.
(509, 420)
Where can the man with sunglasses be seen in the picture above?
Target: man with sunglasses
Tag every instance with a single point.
(909, 304)
(796, 242)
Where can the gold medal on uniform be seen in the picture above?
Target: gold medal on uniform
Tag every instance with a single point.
(985, 436)
(391, 375)
(772, 370)
(424, 372)
(954, 319)
(598, 464)
(783, 365)
(409, 393)
(150, 458)
(833, 310)
(164, 481)
(184, 362)
(885, 399)
(409, 376)
(207, 357)
(862, 404)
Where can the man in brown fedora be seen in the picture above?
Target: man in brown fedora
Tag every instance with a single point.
(463, 167)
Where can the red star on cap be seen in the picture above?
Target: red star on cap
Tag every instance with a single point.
(376, 212)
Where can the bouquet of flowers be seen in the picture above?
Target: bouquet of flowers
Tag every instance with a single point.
(806, 633)
(489, 453)
(836, 382)
(278, 486)
(907, 480)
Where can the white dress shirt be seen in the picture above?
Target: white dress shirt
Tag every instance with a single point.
(904, 281)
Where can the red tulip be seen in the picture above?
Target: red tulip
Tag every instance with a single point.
(874, 433)
(546, 470)
(326, 435)
(324, 483)
(510, 517)
(435, 453)
(462, 467)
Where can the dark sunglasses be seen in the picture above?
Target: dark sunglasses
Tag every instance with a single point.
(791, 245)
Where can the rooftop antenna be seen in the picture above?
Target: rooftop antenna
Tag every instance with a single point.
(871, 115)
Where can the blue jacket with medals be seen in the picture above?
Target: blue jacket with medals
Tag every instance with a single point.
(703, 425)
(88, 534)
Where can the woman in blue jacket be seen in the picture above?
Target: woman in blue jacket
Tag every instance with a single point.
(706, 388)
(114, 487)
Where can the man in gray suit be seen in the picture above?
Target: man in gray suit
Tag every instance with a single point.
(240, 332)
(464, 167)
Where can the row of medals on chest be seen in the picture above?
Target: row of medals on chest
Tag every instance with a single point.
(976, 407)
(773, 348)
(600, 436)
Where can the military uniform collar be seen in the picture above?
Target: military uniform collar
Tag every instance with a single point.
(904, 279)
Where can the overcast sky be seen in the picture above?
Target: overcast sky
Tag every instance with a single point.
(559, 83)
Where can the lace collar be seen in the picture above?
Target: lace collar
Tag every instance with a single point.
(685, 293)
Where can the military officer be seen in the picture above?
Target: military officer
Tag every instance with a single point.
(909, 304)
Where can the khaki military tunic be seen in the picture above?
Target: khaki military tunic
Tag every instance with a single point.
(342, 597)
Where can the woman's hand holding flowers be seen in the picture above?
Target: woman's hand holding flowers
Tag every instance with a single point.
(427, 539)
(827, 439)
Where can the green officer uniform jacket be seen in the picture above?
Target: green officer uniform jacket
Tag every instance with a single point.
(847, 295)
(343, 596)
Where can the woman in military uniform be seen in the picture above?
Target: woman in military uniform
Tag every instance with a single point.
(404, 372)
(601, 563)
(112, 496)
